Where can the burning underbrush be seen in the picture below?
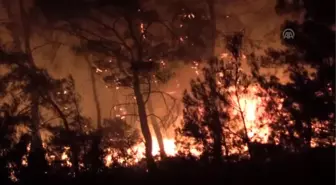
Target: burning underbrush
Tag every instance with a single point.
(122, 145)
(251, 113)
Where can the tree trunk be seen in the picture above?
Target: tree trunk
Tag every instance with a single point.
(216, 124)
(36, 158)
(143, 121)
(36, 137)
(37, 163)
(95, 94)
(308, 132)
(34, 94)
(97, 139)
(157, 130)
(136, 36)
(218, 131)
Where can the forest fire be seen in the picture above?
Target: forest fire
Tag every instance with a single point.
(256, 119)
(254, 115)
(151, 92)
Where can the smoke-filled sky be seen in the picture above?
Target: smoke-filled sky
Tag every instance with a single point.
(257, 17)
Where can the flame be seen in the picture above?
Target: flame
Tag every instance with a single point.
(251, 105)
(169, 147)
(253, 108)
(255, 118)
(248, 107)
(257, 126)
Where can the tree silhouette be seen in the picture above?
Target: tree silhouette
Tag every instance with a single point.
(130, 51)
(120, 137)
(218, 99)
(309, 94)
(195, 24)
(132, 57)
(56, 96)
(203, 112)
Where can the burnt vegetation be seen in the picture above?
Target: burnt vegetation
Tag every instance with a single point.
(129, 44)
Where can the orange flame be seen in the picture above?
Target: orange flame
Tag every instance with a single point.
(252, 107)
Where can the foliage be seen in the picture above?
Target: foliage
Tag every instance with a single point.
(209, 106)
(309, 60)
(122, 41)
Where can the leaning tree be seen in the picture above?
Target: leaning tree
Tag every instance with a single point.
(127, 42)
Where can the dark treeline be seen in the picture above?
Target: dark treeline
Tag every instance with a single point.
(133, 45)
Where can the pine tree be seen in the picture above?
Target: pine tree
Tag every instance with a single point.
(121, 49)
(128, 46)
(309, 96)
(35, 85)
(203, 116)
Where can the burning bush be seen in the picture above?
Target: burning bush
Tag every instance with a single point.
(119, 139)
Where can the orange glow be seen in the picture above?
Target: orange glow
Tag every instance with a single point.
(252, 107)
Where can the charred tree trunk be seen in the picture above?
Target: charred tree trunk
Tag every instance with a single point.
(34, 112)
(136, 37)
(157, 130)
(218, 131)
(36, 158)
(34, 80)
(217, 128)
(308, 132)
(95, 94)
(95, 153)
(95, 149)
(143, 121)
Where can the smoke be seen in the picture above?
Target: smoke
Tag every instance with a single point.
(256, 17)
